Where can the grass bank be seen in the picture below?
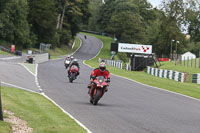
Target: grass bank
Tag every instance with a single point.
(4, 53)
(64, 50)
(189, 68)
(40, 113)
(189, 89)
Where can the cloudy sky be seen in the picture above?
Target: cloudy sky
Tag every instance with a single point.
(155, 2)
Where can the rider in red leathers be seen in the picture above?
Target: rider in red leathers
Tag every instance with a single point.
(101, 71)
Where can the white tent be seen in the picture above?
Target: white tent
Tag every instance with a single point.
(188, 56)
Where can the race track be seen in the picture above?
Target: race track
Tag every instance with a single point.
(128, 107)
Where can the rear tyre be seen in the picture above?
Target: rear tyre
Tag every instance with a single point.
(70, 80)
(71, 77)
(91, 101)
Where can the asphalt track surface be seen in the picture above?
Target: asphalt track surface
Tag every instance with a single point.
(127, 107)
(12, 72)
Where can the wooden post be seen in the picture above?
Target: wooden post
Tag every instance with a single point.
(191, 61)
(1, 112)
(184, 60)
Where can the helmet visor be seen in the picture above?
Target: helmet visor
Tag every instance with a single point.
(102, 68)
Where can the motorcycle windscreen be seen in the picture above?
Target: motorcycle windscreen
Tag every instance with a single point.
(100, 79)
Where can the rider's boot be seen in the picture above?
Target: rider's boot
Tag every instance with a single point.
(106, 89)
(89, 87)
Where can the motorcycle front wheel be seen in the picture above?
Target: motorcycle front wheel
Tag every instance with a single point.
(96, 97)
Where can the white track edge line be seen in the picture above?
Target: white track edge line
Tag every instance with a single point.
(18, 87)
(78, 122)
(43, 94)
(26, 68)
(142, 83)
(71, 53)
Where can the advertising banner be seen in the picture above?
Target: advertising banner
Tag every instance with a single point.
(135, 48)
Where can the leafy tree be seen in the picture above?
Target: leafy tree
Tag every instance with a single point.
(93, 7)
(14, 25)
(127, 27)
(193, 20)
(43, 17)
(72, 14)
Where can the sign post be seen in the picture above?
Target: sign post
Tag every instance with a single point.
(1, 112)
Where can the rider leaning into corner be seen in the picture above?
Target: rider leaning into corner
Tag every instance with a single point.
(101, 71)
(74, 62)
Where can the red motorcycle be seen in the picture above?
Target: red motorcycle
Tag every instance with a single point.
(72, 73)
(97, 90)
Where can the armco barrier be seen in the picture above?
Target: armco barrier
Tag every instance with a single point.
(196, 78)
(170, 74)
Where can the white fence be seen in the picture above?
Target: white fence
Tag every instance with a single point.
(117, 64)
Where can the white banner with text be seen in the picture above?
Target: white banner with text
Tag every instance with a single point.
(135, 48)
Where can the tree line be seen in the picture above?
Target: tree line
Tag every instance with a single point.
(136, 21)
(27, 23)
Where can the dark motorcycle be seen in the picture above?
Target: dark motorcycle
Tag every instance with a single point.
(66, 63)
(97, 90)
(72, 73)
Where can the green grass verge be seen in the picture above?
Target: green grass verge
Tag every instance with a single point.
(181, 68)
(5, 127)
(189, 89)
(4, 53)
(189, 69)
(64, 50)
(40, 113)
(77, 44)
(31, 67)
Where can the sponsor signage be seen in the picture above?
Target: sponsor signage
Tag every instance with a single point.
(135, 48)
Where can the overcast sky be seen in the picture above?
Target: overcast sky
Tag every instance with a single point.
(155, 2)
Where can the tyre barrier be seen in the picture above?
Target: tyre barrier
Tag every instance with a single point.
(196, 78)
(170, 74)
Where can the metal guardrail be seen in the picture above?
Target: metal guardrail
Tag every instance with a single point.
(97, 33)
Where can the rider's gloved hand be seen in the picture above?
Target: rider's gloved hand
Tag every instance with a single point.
(108, 80)
(92, 77)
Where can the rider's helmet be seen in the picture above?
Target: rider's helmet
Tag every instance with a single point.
(68, 57)
(71, 57)
(102, 66)
(75, 61)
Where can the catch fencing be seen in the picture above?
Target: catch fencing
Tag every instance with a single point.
(170, 74)
(117, 64)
